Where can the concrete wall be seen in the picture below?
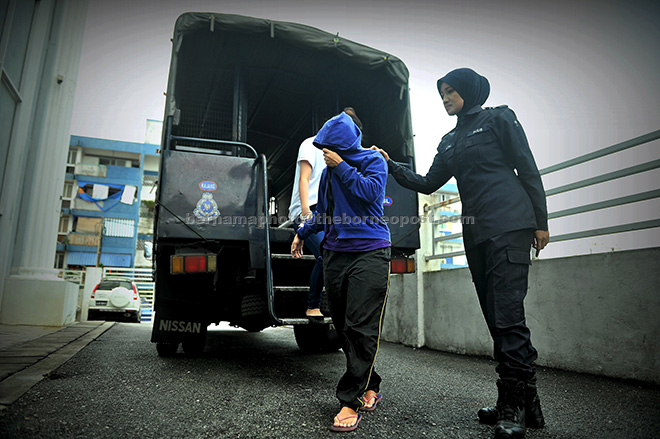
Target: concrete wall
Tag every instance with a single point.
(593, 313)
(402, 313)
(42, 302)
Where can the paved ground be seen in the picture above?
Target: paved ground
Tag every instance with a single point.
(28, 353)
(259, 385)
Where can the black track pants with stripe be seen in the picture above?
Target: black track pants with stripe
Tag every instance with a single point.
(357, 285)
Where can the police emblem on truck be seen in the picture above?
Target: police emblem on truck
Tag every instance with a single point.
(207, 208)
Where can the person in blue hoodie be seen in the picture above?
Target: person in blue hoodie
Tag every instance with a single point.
(356, 256)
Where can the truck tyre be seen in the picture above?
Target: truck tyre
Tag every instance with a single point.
(253, 304)
(167, 349)
(317, 338)
(254, 309)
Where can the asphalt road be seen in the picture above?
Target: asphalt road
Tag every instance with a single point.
(259, 385)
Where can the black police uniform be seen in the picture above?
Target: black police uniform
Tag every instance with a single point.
(503, 204)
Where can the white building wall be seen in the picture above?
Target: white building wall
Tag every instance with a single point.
(37, 154)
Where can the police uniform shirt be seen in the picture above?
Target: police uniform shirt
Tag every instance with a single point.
(498, 180)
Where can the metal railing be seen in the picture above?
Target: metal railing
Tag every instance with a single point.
(73, 276)
(620, 201)
(610, 176)
(435, 211)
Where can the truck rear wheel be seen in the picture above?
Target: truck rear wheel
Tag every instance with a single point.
(317, 338)
(254, 311)
(254, 305)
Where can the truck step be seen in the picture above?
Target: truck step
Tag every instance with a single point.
(285, 288)
(286, 256)
(303, 321)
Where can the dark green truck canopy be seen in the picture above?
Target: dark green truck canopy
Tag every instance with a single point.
(272, 84)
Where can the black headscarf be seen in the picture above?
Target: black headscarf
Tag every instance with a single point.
(473, 88)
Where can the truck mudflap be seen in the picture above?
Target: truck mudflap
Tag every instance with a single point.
(174, 325)
(178, 323)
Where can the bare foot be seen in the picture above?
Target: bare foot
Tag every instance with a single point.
(369, 398)
(314, 313)
(347, 417)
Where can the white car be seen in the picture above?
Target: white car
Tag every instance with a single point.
(117, 296)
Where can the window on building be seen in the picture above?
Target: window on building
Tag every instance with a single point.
(111, 161)
(64, 224)
(72, 157)
(59, 260)
(68, 190)
(119, 228)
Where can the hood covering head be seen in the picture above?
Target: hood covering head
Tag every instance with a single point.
(473, 88)
(340, 134)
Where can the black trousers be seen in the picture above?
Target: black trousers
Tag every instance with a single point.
(500, 267)
(357, 285)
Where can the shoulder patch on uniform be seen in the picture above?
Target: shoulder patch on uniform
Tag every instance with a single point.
(503, 111)
(499, 107)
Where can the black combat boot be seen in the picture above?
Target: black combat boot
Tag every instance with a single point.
(533, 414)
(510, 409)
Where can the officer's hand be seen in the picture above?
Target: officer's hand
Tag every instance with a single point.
(386, 155)
(541, 239)
(296, 247)
(331, 158)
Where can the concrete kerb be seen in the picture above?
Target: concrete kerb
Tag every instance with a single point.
(17, 384)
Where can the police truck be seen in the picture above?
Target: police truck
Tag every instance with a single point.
(242, 95)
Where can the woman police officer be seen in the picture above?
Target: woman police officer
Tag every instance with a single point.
(504, 213)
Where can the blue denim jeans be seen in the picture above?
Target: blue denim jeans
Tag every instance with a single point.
(313, 244)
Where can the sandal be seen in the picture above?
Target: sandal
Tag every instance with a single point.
(376, 399)
(334, 427)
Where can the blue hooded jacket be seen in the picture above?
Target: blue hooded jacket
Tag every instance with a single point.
(357, 185)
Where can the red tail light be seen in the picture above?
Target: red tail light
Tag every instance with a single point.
(135, 294)
(402, 265)
(195, 264)
(94, 290)
(205, 263)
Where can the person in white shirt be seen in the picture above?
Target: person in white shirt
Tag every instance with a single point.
(309, 167)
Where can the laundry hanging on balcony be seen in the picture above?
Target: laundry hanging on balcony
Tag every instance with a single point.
(101, 192)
